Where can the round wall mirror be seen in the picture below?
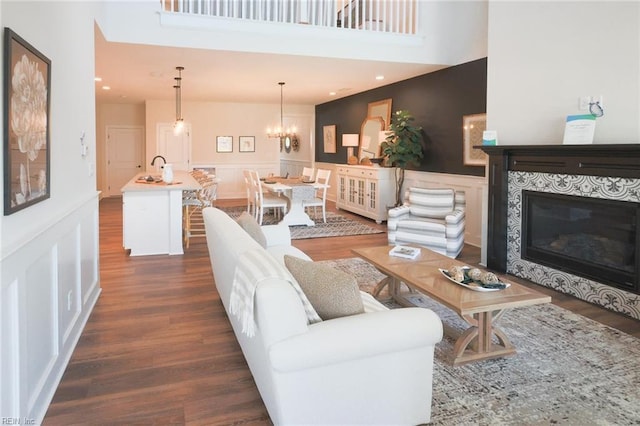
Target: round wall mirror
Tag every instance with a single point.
(287, 144)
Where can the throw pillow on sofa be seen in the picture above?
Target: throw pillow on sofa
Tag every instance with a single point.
(252, 227)
(332, 293)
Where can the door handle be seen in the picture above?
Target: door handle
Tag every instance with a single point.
(138, 166)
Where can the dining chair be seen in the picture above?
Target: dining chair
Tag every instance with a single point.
(320, 200)
(307, 173)
(266, 201)
(251, 198)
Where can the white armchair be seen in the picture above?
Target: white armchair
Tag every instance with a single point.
(433, 218)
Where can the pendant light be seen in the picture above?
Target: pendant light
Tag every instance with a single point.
(279, 132)
(179, 123)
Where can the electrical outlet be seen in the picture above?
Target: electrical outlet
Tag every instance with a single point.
(598, 99)
(583, 103)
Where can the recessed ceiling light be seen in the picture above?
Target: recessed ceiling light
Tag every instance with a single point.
(106, 87)
(98, 79)
(332, 93)
(379, 77)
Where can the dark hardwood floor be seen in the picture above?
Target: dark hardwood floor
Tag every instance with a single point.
(158, 348)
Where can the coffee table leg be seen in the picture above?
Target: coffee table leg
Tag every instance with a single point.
(386, 281)
(476, 342)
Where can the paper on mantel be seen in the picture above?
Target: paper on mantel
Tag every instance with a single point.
(579, 129)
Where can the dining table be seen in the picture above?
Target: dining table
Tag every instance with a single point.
(297, 191)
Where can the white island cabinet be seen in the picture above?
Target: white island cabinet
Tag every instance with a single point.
(152, 214)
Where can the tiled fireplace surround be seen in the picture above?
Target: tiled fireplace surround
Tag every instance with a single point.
(598, 171)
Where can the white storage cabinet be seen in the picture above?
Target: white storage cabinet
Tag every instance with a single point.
(365, 190)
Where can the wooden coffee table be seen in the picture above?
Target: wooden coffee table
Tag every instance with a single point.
(481, 310)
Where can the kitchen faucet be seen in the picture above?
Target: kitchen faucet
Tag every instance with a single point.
(159, 156)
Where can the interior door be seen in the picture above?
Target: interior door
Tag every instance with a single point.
(175, 148)
(125, 155)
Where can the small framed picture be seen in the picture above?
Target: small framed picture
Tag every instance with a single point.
(247, 143)
(224, 144)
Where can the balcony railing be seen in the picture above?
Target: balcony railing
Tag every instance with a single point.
(389, 16)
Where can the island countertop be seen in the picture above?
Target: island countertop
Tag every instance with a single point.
(182, 181)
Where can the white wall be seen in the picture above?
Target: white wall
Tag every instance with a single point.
(211, 119)
(49, 251)
(544, 55)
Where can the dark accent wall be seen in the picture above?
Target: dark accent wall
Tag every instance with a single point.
(437, 100)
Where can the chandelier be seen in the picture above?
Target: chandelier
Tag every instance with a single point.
(280, 132)
(179, 123)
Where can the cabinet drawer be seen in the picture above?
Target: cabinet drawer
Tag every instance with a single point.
(358, 172)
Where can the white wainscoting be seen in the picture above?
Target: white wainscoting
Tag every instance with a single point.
(48, 289)
(474, 188)
(293, 167)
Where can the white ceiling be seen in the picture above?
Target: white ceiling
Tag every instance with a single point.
(139, 72)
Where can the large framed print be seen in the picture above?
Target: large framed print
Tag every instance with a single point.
(27, 96)
(329, 133)
(472, 128)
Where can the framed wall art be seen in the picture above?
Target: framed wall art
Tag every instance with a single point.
(247, 144)
(329, 134)
(27, 89)
(224, 144)
(472, 128)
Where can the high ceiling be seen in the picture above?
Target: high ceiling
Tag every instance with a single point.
(139, 72)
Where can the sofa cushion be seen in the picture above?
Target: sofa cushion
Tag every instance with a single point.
(332, 293)
(252, 227)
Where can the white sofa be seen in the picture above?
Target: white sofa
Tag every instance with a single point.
(370, 368)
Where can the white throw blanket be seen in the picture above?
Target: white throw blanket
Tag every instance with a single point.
(255, 266)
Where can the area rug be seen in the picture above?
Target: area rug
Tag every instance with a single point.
(569, 370)
(336, 226)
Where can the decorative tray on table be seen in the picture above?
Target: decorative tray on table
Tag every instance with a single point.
(474, 279)
(149, 179)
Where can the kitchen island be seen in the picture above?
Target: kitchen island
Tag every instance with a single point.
(152, 214)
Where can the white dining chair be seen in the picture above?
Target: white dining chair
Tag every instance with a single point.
(266, 201)
(307, 173)
(320, 200)
(251, 197)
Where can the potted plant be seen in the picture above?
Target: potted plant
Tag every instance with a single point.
(402, 147)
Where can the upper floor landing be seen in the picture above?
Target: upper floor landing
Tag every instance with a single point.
(404, 31)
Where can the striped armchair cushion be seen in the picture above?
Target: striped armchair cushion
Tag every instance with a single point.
(434, 203)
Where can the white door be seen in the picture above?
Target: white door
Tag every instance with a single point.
(176, 149)
(125, 155)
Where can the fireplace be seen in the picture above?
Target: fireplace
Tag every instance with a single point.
(589, 237)
(553, 210)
